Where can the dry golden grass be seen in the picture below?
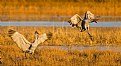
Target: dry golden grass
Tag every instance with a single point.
(36, 10)
(67, 36)
(12, 56)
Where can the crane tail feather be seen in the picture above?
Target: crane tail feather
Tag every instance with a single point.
(49, 35)
(11, 32)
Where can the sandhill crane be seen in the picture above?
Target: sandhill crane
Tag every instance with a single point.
(25, 45)
(83, 24)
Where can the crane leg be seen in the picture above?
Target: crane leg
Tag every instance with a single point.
(30, 56)
(91, 37)
(25, 56)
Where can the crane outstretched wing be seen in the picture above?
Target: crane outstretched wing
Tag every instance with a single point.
(90, 16)
(75, 21)
(39, 39)
(19, 39)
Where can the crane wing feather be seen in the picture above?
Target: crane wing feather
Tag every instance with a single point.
(19, 39)
(75, 20)
(24, 44)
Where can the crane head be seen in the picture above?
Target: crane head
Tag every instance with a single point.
(95, 20)
(36, 32)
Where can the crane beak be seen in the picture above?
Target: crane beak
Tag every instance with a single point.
(69, 21)
(95, 21)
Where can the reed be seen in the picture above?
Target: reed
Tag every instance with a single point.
(67, 36)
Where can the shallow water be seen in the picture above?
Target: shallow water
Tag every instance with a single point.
(82, 48)
(52, 23)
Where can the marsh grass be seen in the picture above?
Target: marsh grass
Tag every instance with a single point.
(67, 36)
(11, 55)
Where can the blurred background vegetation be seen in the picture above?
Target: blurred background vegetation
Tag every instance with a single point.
(38, 9)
